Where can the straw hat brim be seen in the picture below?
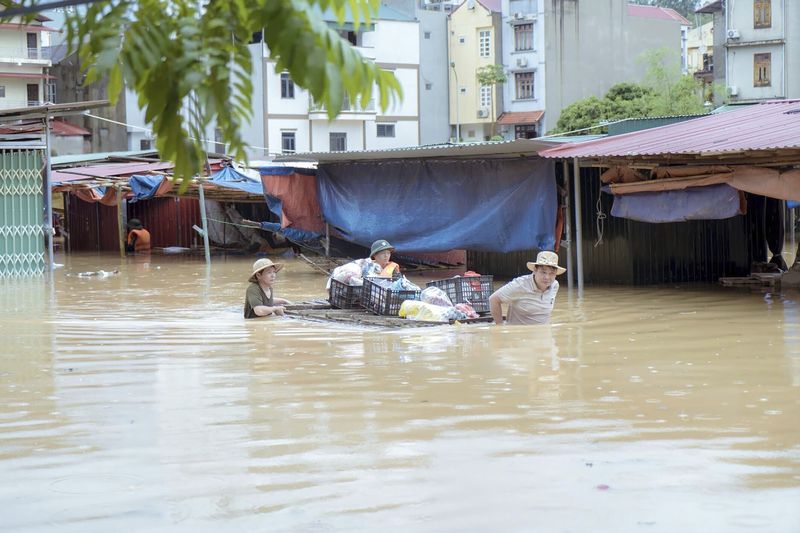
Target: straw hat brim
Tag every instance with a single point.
(278, 267)
(559, 269)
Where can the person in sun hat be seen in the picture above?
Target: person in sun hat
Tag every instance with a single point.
(530, 298)
(138, 239)
(259, 300)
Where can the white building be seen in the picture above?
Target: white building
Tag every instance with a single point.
(24, 80)
(286, 120)
(756, 48)
(556, 53)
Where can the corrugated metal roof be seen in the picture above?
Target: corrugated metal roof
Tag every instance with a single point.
(768, 126)
(518, 147)
(655, 12)
(51, 110)
(520, 117)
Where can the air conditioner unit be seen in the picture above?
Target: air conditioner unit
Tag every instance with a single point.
(522, 62)
(483, 113)
(733, 34)
(519, 16)
(733, 90)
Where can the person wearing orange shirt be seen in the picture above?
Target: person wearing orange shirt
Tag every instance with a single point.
(138, 240)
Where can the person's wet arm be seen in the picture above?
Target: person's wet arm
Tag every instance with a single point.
(496, 308)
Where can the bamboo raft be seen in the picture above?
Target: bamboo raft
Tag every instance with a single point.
(321, 311)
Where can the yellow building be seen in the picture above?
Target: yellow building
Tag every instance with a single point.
(700, 48)
(474, 41)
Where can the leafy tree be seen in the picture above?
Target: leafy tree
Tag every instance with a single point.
(664, 91)
(189, 64)
(491, 75)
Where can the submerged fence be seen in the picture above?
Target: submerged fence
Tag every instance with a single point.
(21, 213)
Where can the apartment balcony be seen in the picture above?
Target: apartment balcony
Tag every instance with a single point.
(18, 104)
(26, 56)
(317, 111)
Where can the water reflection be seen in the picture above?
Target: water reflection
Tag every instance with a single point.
(144, 401)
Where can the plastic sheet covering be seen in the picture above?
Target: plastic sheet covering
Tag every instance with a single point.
(144, 187)
(230, 178)
(701, 203)
(296, 188)
(430, 206)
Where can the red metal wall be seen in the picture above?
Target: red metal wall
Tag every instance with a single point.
(93, 226)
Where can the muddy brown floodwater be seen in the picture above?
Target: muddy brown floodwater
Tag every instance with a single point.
(142, 401)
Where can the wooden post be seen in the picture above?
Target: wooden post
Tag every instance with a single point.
(578, 222)
(204, 221)
(120, 221)
(48, 194)
(568, 223)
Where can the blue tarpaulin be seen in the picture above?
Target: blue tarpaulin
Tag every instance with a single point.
(228, 177)
(144, 187)
(433, 206)
(699, 203)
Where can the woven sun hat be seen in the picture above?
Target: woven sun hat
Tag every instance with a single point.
(379, 246)
(547, 259)
(260, 265)
(135, 223)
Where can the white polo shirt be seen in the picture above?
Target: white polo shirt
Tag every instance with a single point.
(526, 303)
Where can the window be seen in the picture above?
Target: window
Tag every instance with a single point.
(219, 145)
(287, 86)
(145, 144)
(349, 36)
(525, 131)
(385, 130)
(762, 70)
(486, 95)
(484, 43)
(2, 91)
(338, 142)
(462, 39)
(427, 34)
(524, 82)
(50, 93)
(462, 90)
(523, 37)
(287, 142)
(428, 86)
(762, 14)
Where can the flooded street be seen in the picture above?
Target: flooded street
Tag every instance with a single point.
(143, 401)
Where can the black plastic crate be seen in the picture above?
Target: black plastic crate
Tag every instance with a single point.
(384, 301)
(472, 290)
(343, 296)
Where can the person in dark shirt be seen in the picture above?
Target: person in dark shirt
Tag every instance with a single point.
(260, 300)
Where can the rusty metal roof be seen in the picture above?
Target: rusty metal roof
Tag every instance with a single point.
(520, 117)
(773, 125)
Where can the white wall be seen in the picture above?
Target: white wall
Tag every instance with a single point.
(300, 127)
(397, 42)
(741, 70)
(406, 134)
(321, 129)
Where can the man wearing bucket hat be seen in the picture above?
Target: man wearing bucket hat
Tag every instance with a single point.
(138, 239)
(260, 300)
(530, 298)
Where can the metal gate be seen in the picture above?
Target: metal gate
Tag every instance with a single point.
(21, 213)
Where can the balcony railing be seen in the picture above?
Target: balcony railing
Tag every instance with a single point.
(16, 104)
(347, 107)
(23, 54)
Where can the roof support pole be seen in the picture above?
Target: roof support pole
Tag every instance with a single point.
(204, 221)
(567, 222)
(48, 195)
(120, 222)
(576, 176)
